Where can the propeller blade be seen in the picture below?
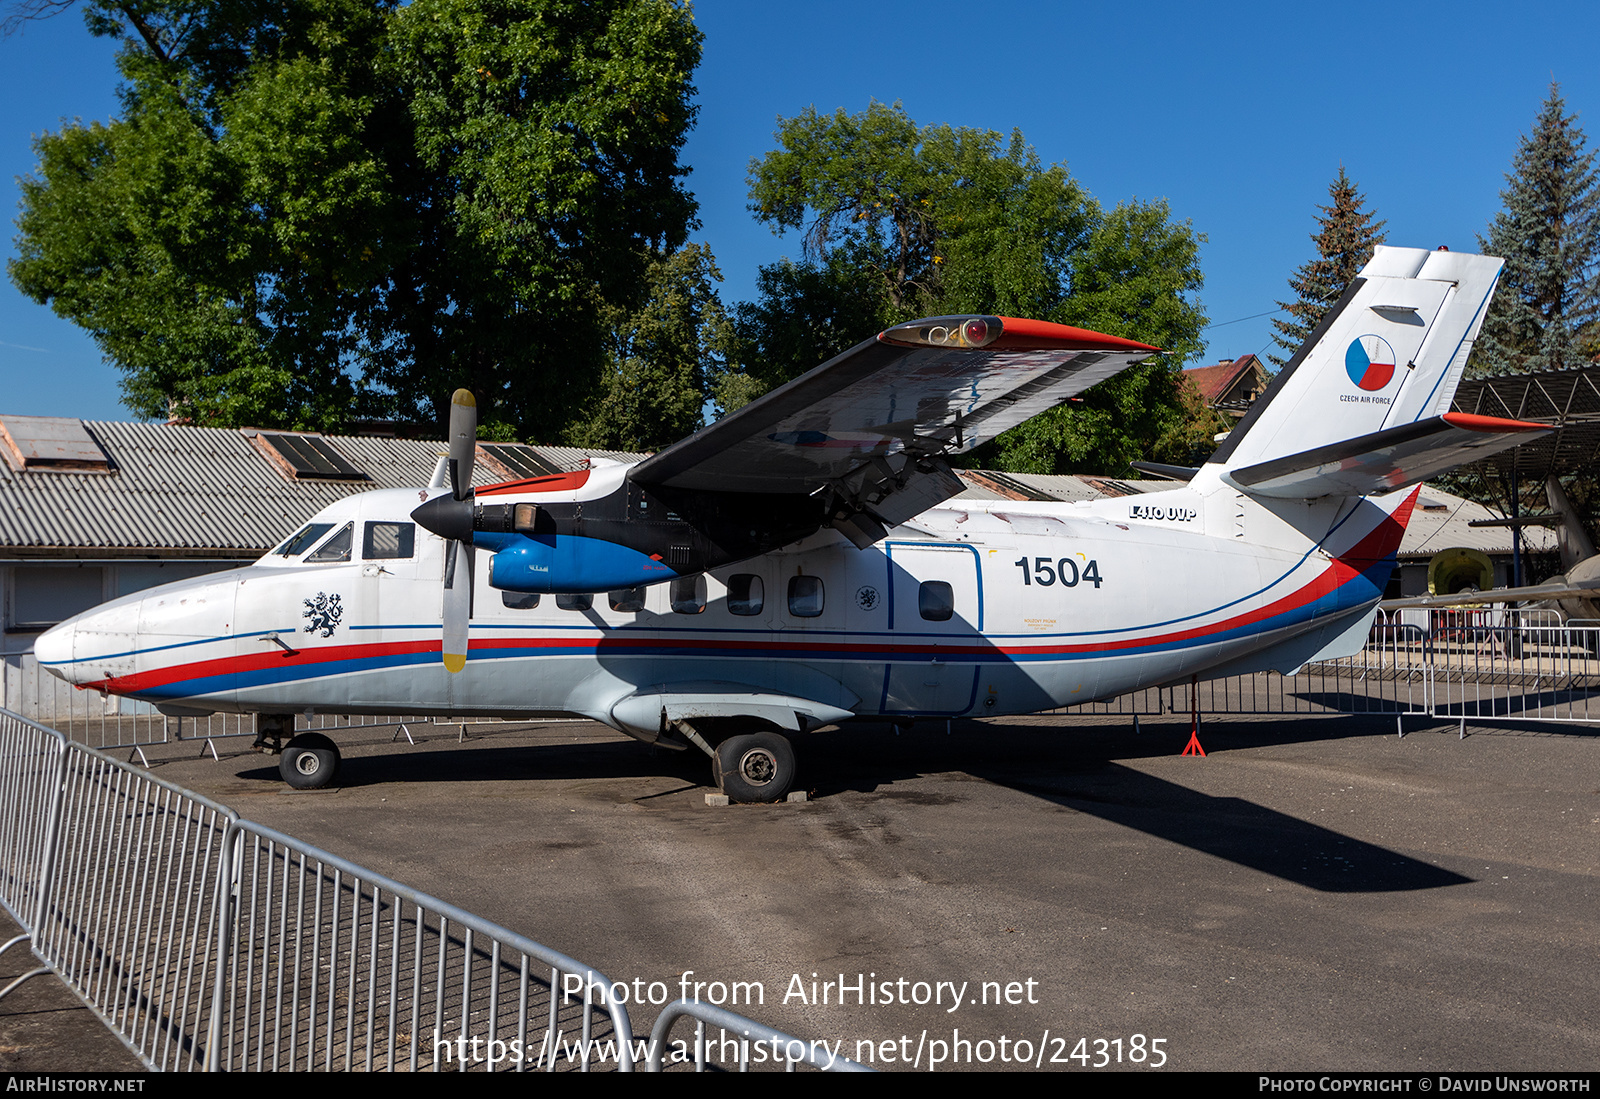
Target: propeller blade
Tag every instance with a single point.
(457, 604)
(463, 441)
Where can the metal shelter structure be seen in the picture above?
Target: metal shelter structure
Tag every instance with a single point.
(1569, 400)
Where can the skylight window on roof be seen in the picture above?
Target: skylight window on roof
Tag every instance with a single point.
(51, 444)
(308, 457)
(518, 460)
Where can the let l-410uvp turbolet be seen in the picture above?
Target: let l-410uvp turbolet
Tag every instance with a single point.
(798, 563)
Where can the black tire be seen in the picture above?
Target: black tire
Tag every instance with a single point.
(755, 767)
(309, 762)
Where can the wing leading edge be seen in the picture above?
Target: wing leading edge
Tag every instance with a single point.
(870, 429)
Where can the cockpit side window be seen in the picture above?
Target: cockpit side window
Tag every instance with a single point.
(303, 539)
(388, 541)
(334, 549)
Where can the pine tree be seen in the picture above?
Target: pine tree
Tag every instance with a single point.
(1546, 312)
(1345, 238)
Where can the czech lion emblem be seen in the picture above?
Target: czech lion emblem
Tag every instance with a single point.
(324, 612)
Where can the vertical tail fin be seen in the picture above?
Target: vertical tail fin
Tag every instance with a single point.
(1390, 354)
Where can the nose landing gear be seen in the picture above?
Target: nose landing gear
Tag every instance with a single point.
(309, 762)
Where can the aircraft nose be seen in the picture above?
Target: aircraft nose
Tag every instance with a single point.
(53, 649)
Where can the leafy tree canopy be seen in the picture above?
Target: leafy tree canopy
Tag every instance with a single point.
(319, 209)
(1345, 238)
(901, 221)
(660, 357)
(1545, 312)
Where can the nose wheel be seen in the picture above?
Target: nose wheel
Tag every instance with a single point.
(309, 762)
(755, 767)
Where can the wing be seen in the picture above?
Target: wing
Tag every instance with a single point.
(870, 429)
(1385, 460)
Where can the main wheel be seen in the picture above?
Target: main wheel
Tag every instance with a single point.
(755, 767)
(309, 762)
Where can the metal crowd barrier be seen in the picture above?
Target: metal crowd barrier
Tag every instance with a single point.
(205, 942)
(1504, 665)
(87, 716)
(113, 874)
(1389, 676)
(1517, 673)
(101, 721)
(30, 770)
(304, 960)
(330, 966)
(741, 1035)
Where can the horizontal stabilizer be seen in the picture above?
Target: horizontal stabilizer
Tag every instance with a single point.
(1384, 460)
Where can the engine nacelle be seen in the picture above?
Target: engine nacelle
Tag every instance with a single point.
(567, 563)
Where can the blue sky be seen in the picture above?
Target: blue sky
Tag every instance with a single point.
(1238, 115)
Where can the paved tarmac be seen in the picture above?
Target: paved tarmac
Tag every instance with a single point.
(1316, 894)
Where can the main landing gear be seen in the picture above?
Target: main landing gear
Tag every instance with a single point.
(748, 767)
(756, 767)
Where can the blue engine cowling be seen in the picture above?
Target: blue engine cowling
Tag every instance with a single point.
(566, 563)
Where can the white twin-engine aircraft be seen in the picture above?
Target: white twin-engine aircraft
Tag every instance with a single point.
(796, 563)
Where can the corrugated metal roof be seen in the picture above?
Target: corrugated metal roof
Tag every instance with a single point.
(195, 491)
(983, 483)
(1439, 522)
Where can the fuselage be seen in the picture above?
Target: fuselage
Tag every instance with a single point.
(972, 608)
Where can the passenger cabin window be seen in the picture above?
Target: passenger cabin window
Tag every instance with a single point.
(689, 594)
(304, 539)
(805, 596)
(519, 600)
(336, 548)
(388, 541)
(575, 602)
(745, 594)
(936, 601)
(626, 600)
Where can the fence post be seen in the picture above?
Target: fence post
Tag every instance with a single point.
(227, 913)
(47, 857)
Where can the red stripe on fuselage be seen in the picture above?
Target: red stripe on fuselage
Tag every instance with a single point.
(254, 662)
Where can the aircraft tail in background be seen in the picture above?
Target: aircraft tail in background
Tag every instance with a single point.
(1364, 406)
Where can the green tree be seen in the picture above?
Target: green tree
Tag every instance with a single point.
(1130, 279)
(804, 314)
(661, 358)
(1345, 238)
(900, 221)
(316, 209)
(1544, 312)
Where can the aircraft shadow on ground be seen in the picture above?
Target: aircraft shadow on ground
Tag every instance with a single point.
(1247, 834)
(1076, 770)
(1073, 768)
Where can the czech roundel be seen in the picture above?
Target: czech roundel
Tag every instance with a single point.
(1369, 360)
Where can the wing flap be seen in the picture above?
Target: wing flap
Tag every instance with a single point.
(1384, 460)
